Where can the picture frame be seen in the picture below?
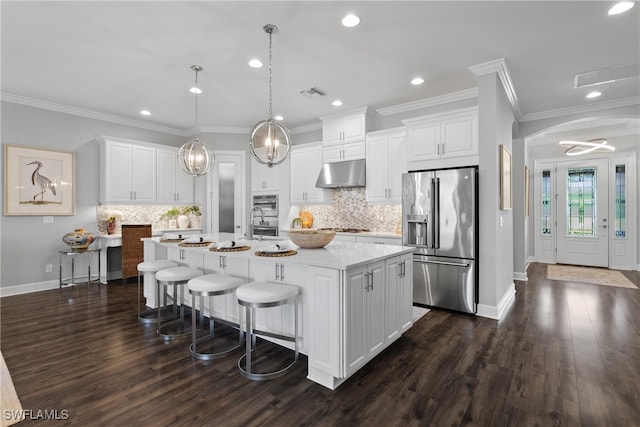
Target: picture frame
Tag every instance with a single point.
(38, 181)
(527, 195)
(505, 178)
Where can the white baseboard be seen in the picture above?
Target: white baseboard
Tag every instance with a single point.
(520, 276)
(27, 288)
(498, 311)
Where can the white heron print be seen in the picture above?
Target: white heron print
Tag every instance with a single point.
(42, 185)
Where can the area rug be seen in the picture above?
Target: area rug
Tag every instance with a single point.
(10, 407)
(418, 312)
(591, 275)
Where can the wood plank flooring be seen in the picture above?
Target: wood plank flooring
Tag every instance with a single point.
(566, 354)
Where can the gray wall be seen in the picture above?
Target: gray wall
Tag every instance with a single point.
(27, 244)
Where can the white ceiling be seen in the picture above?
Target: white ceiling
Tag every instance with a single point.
(116, 58)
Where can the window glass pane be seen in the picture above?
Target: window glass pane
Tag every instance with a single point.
(546, 203)
(581, 202)
(621, 210)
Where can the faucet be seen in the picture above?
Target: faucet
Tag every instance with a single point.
(261, 214)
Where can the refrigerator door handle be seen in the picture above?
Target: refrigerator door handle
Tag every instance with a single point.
(455, 264)
(431, 236)
(436, 220)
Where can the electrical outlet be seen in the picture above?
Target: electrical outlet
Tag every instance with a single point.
(48, 268)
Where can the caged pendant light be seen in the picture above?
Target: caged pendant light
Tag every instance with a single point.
(270, 140)
(194, 157)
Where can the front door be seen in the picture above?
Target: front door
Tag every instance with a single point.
(227, 200)
(582, 207)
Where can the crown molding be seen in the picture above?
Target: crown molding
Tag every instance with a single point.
(581, 109)
(429, 102)
(499, 66)
(360, 110)
(60, 108)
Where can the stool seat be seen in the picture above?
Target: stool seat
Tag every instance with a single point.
(149, 268)
(265, 293)
(256, 295)
(213, 283)
(155, 265)
(210, 285)
(177, 274)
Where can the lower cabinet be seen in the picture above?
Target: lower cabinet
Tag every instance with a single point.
(398, 296)
(365, 332)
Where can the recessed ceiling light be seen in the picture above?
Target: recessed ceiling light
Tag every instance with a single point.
(593, 94)
(417, 81)
(195, 90)
(350, 20)
(279, 117)
(145, 112)
(255, 63)
(621, 7)
(336, 103)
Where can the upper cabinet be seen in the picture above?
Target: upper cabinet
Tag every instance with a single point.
(139, 172)
(306, 161)
(386, 162)
(172, 183)
(343, 136)
(128, 172)
(443, 140)
(265, 179)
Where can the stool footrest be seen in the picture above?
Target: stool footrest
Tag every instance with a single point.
(267, 376)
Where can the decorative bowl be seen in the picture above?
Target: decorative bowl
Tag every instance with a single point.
(78, 239)
(311, 239)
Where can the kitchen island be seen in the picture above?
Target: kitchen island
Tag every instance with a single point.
(355, 298)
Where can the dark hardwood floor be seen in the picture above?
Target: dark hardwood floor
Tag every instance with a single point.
(565, 354)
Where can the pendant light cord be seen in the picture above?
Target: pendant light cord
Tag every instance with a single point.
(196, 104)
(270, 91)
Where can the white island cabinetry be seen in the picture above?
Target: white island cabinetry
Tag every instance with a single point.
(354, 298)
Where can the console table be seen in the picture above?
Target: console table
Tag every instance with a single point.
(71, 281)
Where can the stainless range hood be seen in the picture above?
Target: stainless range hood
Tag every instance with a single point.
(342, 174)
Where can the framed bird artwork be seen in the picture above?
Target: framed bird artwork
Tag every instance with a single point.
(38, 181)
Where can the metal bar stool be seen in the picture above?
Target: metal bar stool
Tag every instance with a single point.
(176, 276)
(149, 270)
(210, 285)
(263, 295)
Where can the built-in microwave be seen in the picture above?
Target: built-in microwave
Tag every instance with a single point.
(267, 203)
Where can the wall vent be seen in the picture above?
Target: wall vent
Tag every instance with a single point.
(313, 93)
(606, 75)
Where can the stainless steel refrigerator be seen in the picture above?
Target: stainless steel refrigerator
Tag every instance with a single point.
(440, 220)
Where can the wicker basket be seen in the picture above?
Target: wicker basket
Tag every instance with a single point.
(311, 239)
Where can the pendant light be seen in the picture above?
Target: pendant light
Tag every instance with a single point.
(194, 157)
(270, 140)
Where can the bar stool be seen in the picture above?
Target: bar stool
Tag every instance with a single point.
(210, 285)
(149, 269)
(176, 276)
(263, 295)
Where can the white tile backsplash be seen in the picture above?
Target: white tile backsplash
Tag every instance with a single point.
(350, 210)
(136, 214)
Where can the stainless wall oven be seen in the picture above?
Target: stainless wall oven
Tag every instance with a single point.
(264, 215)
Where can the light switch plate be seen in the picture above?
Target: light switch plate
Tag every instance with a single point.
(47, 219)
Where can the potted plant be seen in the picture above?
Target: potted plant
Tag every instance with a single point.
(110, 217)
(194, 214)
(171, 216)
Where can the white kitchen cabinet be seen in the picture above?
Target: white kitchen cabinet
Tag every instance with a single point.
(172, 184)
(443, 140)
(343, 152)
(365, 332)
(306, 161)
(265, 179)
(398, 296)
(386, 162)
(343, 135)
(127, 172)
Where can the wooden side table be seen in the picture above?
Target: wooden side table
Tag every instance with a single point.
(71, 281)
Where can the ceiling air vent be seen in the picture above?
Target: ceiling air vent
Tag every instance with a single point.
(606, 75)
(313, 93)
